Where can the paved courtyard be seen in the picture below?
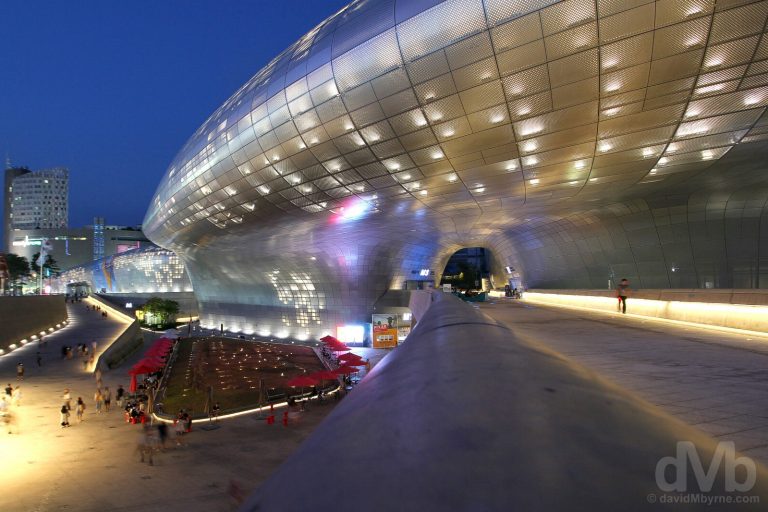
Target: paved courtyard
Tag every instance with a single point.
(716, 381)
(93, 466)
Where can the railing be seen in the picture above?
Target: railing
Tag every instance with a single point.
(465, 416)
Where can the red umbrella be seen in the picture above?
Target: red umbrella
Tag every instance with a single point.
(350, 357)
(345, 370)
(142, 368)
(133, 386)
(301, 381)
(329, 339)
(323, 375)
(151, 361)
(353, 363)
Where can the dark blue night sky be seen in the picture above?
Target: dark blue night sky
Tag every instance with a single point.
(112, 89)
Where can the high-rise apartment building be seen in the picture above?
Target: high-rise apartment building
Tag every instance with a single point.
(40, 199)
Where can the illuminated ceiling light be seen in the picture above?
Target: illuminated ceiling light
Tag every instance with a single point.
(419, 120)
(573, 182)
(335, 167)
(486, 76)
(693, 11)
(612, 111)
(605, 147)
(615, 86)
(663, 160)
(592, 179)
(264, 189)
(534, 181)
(497, 118)
(692, 113)
(531, 130)
(692, 42)
(348, 126)
(654, 171)
(531, 160)
(374, 137)
(524, 111)
(707, 155)
(249, 206)
(423, 192)
(406, 176)
(691, 130)
(751, 100)
(437, 116)
(437, 155)
(332, 89)
(429, 96)
(394, 166)
(450, 132)
(295, 180)
(610, 63)
(360, 188)
(714, 62)
(478, 190)
(360, 142)
(709, 88)
(275, 158)
(313, 140)
(579, 165)
(647, 152)
(529, 146)
(302, 145)
(671, 148)
(511, 166)
(452, 178)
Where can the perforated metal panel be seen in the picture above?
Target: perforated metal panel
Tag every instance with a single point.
(566, 136)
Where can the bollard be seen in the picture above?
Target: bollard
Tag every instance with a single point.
(285, 419)
(271, 419)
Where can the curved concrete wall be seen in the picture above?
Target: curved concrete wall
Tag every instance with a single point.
(23, 317)
(734, 309)
(465, 416)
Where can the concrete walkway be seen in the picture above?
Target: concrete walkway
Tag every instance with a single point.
(715, 381)
(93, 466)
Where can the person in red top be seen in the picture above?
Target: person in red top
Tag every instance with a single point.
(622, 292)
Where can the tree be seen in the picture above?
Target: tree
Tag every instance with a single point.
(467, 277)
(18, 269)
(50, 267)
(162, 309)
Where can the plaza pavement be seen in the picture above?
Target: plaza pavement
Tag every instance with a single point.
(715, 381)
(93, 466)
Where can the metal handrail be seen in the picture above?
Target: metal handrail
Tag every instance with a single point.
(466, 416)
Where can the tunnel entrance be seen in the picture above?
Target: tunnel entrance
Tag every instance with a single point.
(468, 269)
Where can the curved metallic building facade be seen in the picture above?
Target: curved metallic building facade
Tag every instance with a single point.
(580, 141)
(146, 270)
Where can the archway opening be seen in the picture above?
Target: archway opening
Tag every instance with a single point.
(468, 269)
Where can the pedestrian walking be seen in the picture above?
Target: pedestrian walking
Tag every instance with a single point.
(64, 416)
(67, 398)
(107, 398)
(622, 292)
(16, 396)
(162, 433)
(146, 444)
(120, 393)
(99, 398)
(20, 371)
(80, 409)
(39, 360)
(9, 390)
